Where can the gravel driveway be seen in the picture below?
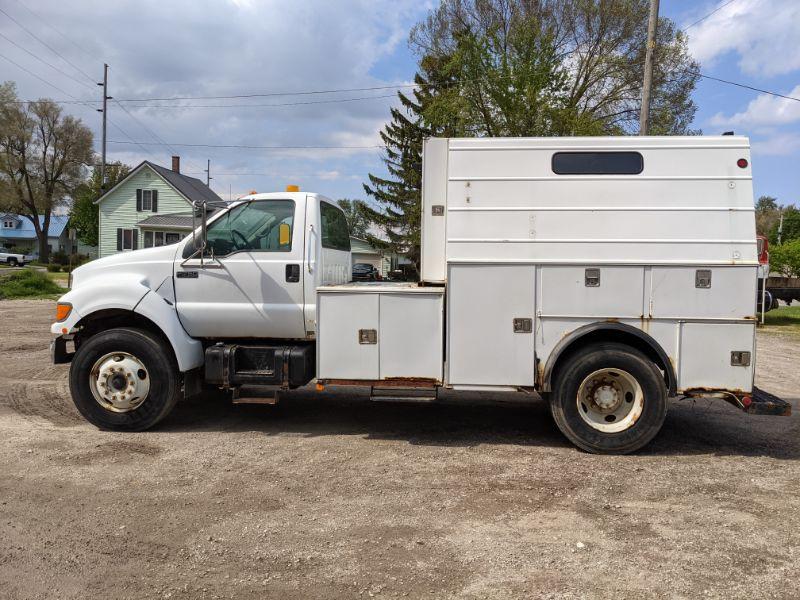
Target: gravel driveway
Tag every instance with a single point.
(333, 496)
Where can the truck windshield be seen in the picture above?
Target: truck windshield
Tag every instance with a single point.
(259, 226)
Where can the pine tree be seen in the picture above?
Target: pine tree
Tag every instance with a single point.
(399, 194)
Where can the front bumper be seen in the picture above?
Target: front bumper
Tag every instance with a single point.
(60, 354)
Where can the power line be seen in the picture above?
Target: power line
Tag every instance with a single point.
(46, 45)
(274, 94)
(44, 62)
(54, 86)
(701, 19)
(749, 87)
(249, 147)
(58, 31)
(332, 101)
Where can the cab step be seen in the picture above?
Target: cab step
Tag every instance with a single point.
(254, 394)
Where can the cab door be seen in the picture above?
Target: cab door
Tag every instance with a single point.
(250, 282)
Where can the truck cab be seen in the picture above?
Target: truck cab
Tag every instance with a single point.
(262, 263)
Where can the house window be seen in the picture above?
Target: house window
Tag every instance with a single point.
(160, 238)
(597, 163)
(172, 238)
(146, 200)
(127, 239)
(8, 224)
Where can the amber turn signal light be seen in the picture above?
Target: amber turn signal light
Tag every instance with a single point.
(62, 310)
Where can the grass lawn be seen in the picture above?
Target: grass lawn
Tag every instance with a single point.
(786, 318)
(29, 283)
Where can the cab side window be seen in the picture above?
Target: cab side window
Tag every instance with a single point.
(335, 232)
(258, 226)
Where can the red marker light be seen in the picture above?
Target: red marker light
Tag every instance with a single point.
(742, 163)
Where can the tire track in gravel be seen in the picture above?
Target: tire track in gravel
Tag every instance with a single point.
(48, 400)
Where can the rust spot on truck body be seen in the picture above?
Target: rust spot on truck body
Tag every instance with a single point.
(398, 382)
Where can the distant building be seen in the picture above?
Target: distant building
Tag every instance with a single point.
(16, 231)
(151, 206)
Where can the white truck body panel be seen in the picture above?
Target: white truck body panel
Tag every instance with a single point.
(690, 208)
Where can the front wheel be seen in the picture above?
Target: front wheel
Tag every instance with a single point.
(609, 399)
(13, 262)
(124, 379)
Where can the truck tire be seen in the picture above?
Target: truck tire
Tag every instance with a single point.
(12, 262)
(609, 399)
(110, 379)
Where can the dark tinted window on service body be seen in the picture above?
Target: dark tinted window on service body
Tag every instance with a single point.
(597, 163)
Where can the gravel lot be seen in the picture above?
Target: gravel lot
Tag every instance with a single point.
(332, 496)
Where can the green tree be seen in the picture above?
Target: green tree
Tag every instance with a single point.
(785, 258)
(597, 46)
(398, 193)
(43, 158)
(357, 218)
(791, 224)
(85, 214)
(767, 215)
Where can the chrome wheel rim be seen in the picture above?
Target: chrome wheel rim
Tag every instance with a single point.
(610, 400)
(119, 382)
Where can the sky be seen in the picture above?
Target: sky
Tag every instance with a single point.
(159, 49)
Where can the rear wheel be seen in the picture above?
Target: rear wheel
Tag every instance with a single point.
(609, 399)
(124, 379)
(12, 262)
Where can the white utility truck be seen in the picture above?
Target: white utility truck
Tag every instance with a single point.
(606, 274)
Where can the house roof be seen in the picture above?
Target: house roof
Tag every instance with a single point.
(25, 230)
(174, 220)
(361, 246)
(191, 188)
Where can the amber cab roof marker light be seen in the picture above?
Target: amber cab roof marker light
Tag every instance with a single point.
(292, 188)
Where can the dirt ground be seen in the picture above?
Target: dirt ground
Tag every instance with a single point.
(333, 496)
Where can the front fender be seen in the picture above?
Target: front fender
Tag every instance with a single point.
(132, 293)
(124, 291)
(159, 307)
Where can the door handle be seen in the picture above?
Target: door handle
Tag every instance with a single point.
(292, 273)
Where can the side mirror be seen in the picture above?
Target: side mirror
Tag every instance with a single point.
(284, 234)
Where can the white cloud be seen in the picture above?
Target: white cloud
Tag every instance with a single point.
(764, 111)
(159, 49)
(778, 144)
(765, 34)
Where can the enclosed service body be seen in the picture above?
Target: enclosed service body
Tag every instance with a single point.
(605, 273)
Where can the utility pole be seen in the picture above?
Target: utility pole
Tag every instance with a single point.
(208, 173)
(104, 110)
(780, 229)
(652, 23)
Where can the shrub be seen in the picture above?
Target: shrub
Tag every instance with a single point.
(59, 257)
(28, 283)
(785, 259)
(51, 268)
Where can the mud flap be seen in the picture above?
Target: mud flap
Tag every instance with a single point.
(764, 403)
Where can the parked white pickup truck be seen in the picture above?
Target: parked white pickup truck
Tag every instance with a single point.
(15, 259)
(606, 274)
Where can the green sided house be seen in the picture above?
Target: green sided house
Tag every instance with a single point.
(152, 206)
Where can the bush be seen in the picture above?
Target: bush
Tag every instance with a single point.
(59, 257)
(785, 259)
(53, 268)
(28, 283)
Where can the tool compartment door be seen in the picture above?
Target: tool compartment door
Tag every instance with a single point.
(484, 346)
